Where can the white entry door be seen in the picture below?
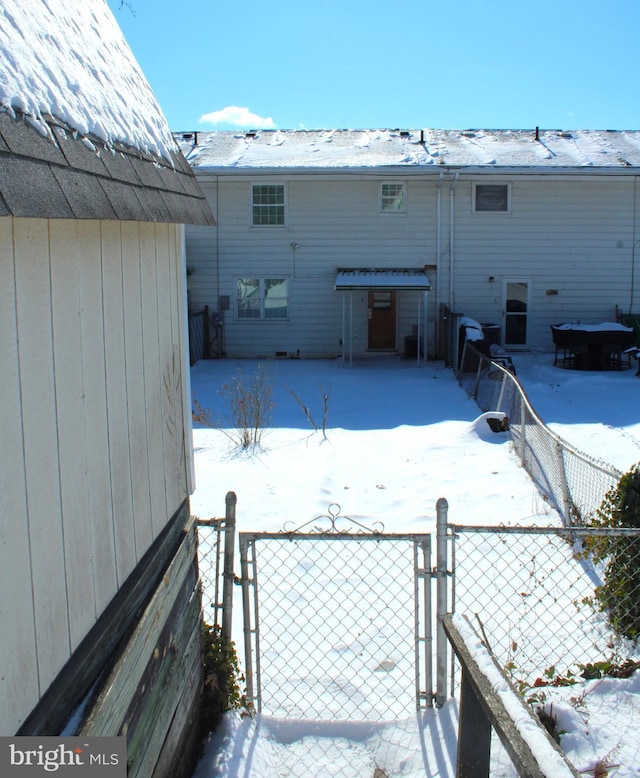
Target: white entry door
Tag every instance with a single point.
(516, 296)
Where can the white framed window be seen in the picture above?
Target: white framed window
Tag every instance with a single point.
(262, 298)
(268, 205)
(393, 197)
(491, 198)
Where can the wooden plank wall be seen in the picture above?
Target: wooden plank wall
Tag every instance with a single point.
(152, 695)
(92, 428)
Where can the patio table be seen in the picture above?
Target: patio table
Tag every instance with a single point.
(592, 346)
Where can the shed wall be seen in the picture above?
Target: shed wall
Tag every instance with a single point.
(92, 427)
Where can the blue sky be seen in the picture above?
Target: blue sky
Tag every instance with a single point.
(561, 64)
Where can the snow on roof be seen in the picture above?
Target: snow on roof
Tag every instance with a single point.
(412, 149)
(382, 278)
(70, 60)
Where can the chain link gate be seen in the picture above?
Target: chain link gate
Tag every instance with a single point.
(337, 621)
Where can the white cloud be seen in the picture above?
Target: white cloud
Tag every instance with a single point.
(238, 117)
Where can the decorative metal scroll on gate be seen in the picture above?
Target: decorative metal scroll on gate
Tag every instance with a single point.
(337, 620)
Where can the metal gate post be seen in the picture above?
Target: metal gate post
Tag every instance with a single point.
(227, 574)
(442, 507)
(246, 610)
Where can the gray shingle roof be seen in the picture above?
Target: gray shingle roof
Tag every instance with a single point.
(65, 176)
(418, 150)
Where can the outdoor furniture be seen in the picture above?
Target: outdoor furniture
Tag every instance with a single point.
(566, 343)
(634, 352)
(592, 346)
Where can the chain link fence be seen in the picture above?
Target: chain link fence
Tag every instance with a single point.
(575, 483)
(337, 625)
(540, 598)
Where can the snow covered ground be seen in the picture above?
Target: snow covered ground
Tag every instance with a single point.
(398, 438)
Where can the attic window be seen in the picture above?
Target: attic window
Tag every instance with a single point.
(491, 198)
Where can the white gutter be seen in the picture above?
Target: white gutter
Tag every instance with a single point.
(452, 197)
(438, 249)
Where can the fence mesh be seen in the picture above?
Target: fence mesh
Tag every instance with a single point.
(340, 631)
(543, 596)
(210, 551)
(575, 483)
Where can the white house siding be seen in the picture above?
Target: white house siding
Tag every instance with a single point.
(573, 234)
(91, 423)
(336, 221)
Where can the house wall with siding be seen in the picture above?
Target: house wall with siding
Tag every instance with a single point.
(337, 224)
(571, 233)
(92, 429)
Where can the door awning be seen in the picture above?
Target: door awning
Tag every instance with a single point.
(382, 278)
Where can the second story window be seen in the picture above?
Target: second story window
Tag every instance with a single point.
(492, 198)
(393, 197)
(268, 205)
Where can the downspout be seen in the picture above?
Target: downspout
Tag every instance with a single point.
(634, 243)
(438, 249)
(452, 197)
(217, 242)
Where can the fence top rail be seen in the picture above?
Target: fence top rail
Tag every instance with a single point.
(596, 463)
(331, 535)
(535, 756)
(564, 531)
(212, 522)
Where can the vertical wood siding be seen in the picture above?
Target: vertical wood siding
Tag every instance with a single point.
(570, 233)
(18, 628)
(91, 416)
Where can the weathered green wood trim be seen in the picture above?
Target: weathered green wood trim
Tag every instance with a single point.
(110, 710)
(146, 736)
(93, 654)
(496, 713)
(170, 644)
(181, 748)
(164, 723)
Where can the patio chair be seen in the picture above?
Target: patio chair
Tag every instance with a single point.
(563, 340)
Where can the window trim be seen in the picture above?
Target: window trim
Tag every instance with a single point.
(389, 211)
(474, 208)
(285, 205)
(261, 281)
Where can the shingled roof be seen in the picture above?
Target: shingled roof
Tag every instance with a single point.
(65, 175)
(81, 133)
(414, 151)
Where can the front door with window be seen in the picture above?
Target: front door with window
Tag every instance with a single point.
(382, 320)
(515, 307)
